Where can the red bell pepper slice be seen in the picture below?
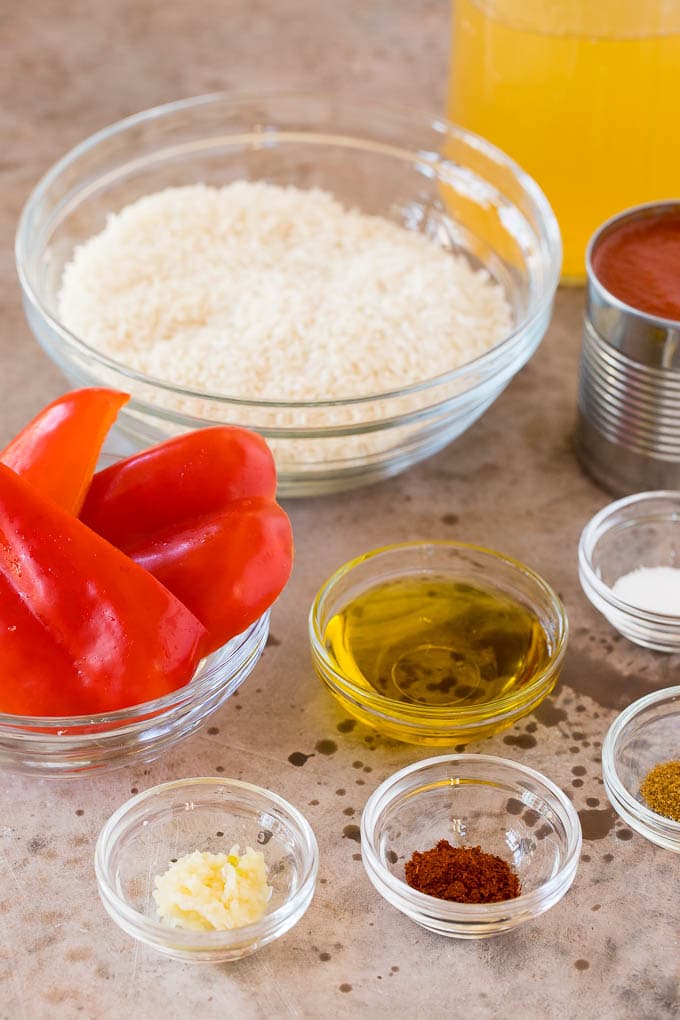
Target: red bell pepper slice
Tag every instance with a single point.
(57, 451)
(85, 629)
(198, 512)
(189, 476)
(227, 568)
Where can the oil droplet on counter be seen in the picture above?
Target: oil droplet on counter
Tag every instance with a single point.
(548, 714)
(597, 824)
(352, 832)
(523, 740)
(326, 747)
(298, 759)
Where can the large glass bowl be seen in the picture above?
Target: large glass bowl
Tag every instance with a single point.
(70, 746)
(210, 815)
(427, 175)
(509, 810)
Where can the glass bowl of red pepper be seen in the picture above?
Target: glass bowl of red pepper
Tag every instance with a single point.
(461, 823)
(423, 174)
(71, 745)
(134, 600)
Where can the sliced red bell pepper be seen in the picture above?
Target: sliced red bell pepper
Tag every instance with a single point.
(227, 568)
(186, 477)
(57, 451)
(84, 628)
(198, 512)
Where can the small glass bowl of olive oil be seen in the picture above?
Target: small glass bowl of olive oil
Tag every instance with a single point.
(437, 643)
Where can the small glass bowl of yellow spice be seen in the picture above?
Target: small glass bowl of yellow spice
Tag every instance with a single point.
(641, 767)
(436, 643)
(206, 870)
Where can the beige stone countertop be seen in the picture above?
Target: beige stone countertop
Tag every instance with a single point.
(610, 948)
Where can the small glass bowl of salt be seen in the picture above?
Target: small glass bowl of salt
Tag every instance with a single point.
(629, 567)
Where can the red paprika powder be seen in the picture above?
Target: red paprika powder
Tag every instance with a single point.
(639, 262)
(464, 874)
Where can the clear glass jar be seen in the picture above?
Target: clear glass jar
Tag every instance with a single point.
(582, 93)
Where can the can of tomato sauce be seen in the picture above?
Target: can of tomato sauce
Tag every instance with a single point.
(628, 433)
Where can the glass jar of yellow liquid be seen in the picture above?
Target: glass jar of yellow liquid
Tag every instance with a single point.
(583, 94)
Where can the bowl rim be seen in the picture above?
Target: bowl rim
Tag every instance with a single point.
(647, 819)
(209, 676)
(549, 238)
(407, 713)
(451, 910)
(598, 526)
(184, 939)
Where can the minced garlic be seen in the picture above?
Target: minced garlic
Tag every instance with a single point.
(213, 892)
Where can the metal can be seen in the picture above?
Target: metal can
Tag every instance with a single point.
(628, 433)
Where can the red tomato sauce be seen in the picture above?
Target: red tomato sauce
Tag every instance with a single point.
(639, 263)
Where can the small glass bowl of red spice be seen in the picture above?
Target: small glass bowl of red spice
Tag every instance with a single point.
(514, 834)
(70, 746)
(435, 643)
(641, 767)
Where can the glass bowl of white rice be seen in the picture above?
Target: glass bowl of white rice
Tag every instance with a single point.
(358, 284)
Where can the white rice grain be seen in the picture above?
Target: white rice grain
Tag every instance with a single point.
(255, 291)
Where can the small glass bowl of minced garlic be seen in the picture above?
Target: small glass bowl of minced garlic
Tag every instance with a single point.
(437, 643)
(206, 870)
(641, 767)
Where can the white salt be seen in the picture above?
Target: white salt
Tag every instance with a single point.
(656, 589)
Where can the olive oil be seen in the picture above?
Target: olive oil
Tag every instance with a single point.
(437, 642)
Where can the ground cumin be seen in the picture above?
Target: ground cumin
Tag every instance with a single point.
(661, 789)
(464, 874)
